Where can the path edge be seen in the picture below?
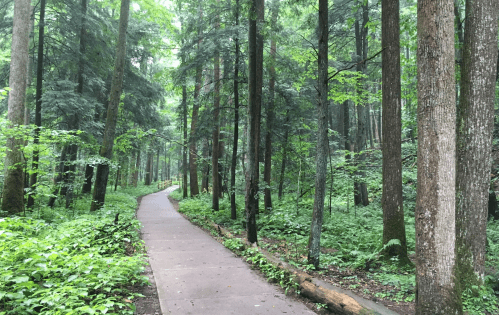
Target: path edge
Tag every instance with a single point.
(338, 300)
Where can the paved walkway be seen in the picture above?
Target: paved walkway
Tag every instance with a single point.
(197, 275)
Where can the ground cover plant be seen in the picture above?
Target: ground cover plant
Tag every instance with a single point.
(351, 243)
(59, 261)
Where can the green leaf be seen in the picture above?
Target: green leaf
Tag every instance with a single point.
(21, 279)
(71, 278)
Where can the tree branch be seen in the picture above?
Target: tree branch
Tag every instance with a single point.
(348, 68)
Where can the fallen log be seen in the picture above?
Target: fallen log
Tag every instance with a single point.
(337, 302)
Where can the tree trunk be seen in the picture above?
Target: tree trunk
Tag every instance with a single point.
(360, 187)
(255, 39)
(89, 174)
(117, 181)
(13, 188)
(147, 180)
(221, 173)
(70, 176)
(314, 243)
(216, 132)
(156, 170)
(475, 126)
(392, 201)
(73, 122)
(284, 155)
(135, 175)
(185, 141)
(58, 178)
(346, 130)
(233, 212)
(267, 200)
(106, 150)
(369, 126)
(38, 104)
(125, 163)
(436, 290)
(206, 168)
(193, 168)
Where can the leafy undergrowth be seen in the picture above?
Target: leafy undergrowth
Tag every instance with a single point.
(58, 261)
(351, 245)
(273, 273)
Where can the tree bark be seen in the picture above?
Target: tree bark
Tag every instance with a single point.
(89, 174)
(193, 171)
(392, 201)
(185, 140)
(216, 130)
(70, 175)
(475, 126)
(267, 199)
(360, 187)
(436, 290)
(135, 174)
(13, 188)
(284, 155)
(255, 39)
(148, 176)
(58, 178)
(156, 170)
(106, 150)
(38, 104)
(233, 212)
(314, 243)
(206, 168)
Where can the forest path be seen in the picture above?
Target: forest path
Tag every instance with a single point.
(195, 274)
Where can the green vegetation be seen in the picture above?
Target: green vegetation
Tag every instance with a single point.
(59, 261)
(351, 238)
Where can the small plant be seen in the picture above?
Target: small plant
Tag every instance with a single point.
(234, 244)
(480, 299)
(321, 305)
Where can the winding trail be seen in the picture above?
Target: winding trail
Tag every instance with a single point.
(195, 274)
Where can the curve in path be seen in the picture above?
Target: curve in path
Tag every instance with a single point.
(195, 274)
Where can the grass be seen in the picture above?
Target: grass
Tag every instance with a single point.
(58, 261)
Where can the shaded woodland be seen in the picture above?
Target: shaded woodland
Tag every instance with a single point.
(361, 133)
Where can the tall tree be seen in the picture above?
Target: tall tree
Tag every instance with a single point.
(436, 290)
(360, 187)
(475, 126)
(38, 103)
(79, 89)
(206, 168)
(106, 150)
(255, 39)
(184, 126)
(148, 173)
(314, 243)
(193, 169)
(13, 191)
(267, 199)
(392, 202)
(216, 128)
(284, 154)
(233, 212)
